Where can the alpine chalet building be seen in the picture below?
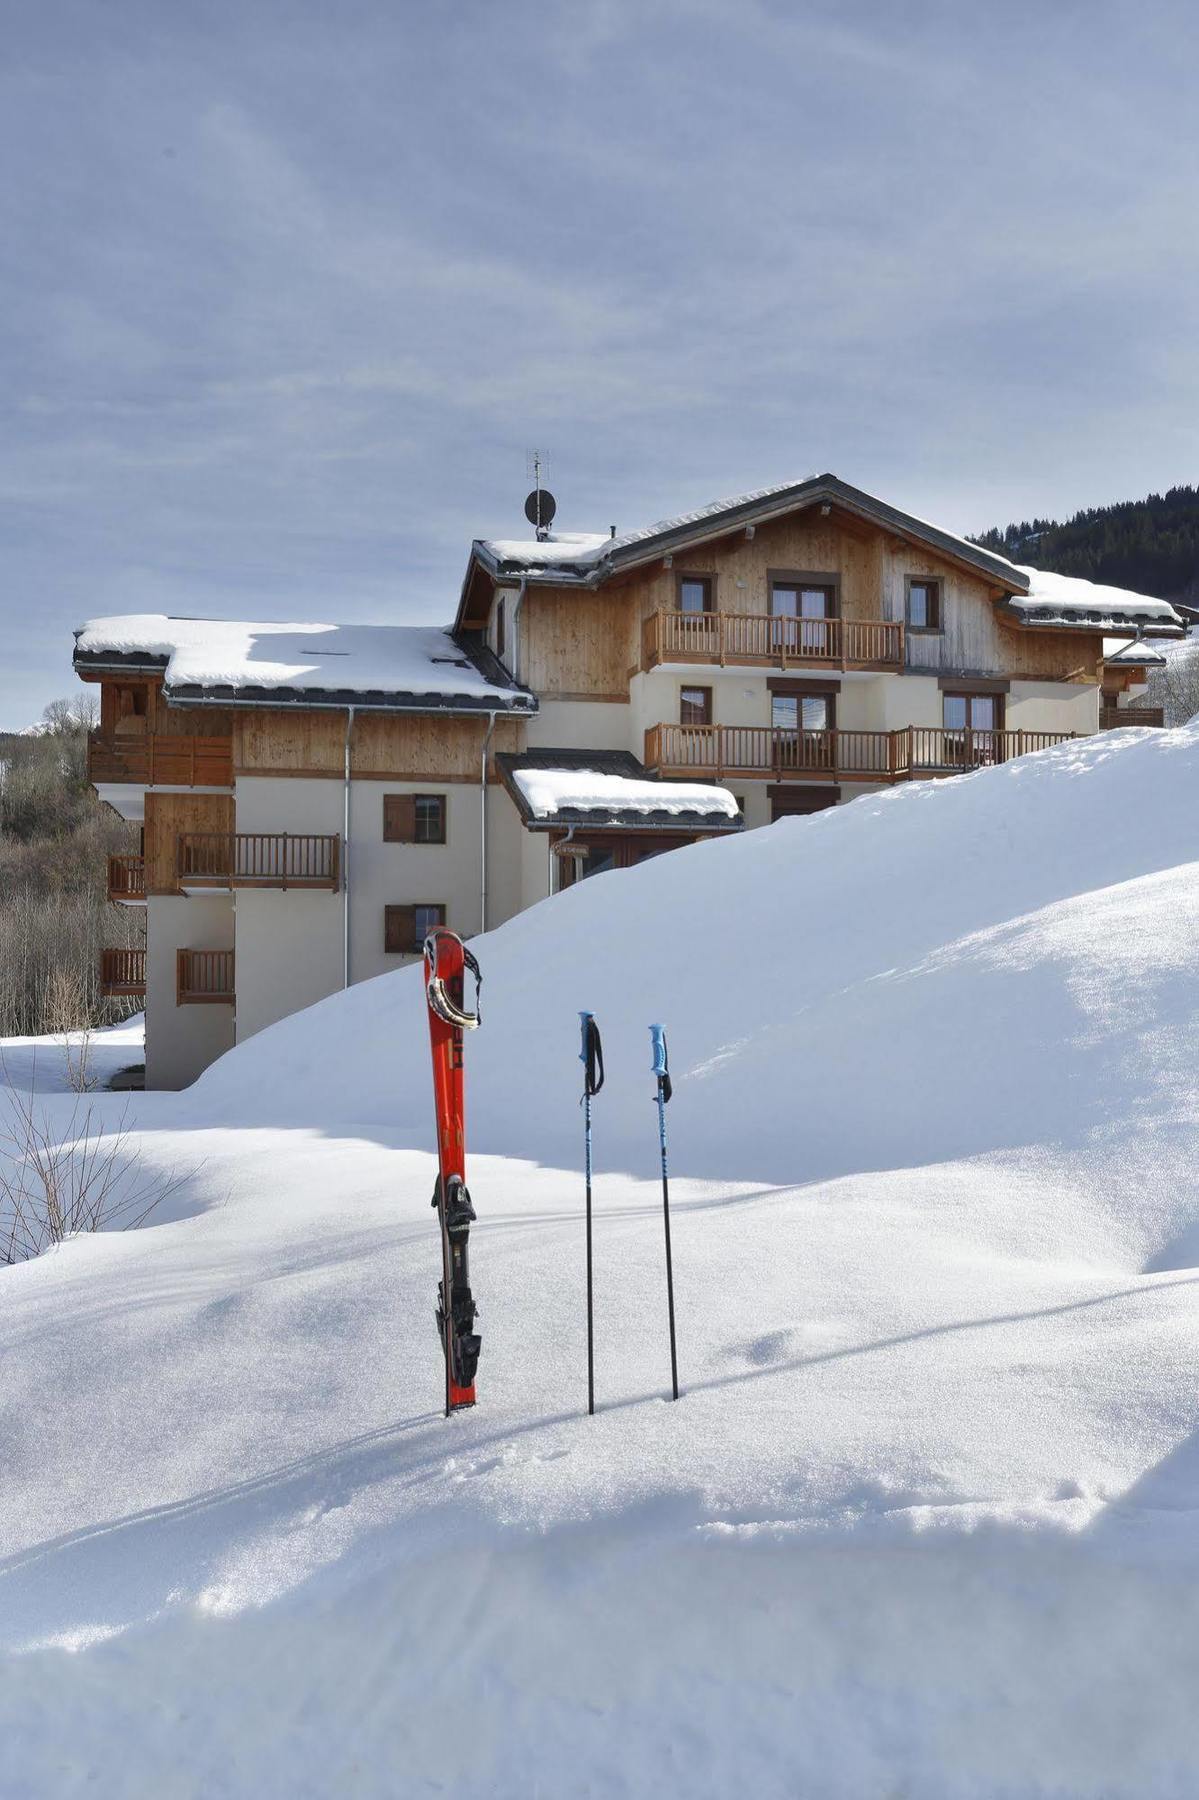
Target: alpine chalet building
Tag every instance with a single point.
(314, 797)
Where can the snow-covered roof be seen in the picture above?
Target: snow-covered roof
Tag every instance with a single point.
(1069, 601)
(551, 792)
(589, 556)
(239, 659)
(609, 789)
(1139, 655)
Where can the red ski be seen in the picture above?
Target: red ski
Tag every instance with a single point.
(446, 961)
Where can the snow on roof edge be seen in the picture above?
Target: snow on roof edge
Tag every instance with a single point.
(230, 655)
(549, 791)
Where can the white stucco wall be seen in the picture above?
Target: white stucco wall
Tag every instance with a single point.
(581, 725)
(289, 953)
(1053, 706)
(181, 1041)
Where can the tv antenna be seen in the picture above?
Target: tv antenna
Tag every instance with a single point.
(540, 506)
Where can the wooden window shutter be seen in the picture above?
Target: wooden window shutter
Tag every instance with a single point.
(399, 930)
(399, 819)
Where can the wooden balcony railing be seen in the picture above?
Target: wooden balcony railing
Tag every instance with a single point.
(728, 751)
(1114, 718)
(761, 639)
(233, 859)
(123, 972)
(127, 878)
(159, 761)
(202, 976)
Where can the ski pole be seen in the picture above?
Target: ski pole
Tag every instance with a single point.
(661, 1070)
(591, 1056)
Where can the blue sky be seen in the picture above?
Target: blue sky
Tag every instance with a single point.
(289, 290)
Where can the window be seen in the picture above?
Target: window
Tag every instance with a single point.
(800, 611)
(695, 593)
(924, 604)
(801, 712)
(695, 706)
(798, 801)
(405, 928)
(499, 629)
(414, 818)
(971, 712)
(430, 818)
(964, 715)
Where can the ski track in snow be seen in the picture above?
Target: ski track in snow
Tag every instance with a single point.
(924, 1521)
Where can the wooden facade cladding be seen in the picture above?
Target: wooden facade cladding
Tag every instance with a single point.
(582, 644)
(433, 747)
(159, 758)
(168, 816)
(577, 645)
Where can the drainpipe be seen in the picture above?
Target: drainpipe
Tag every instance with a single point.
(483, 825)
(520, 597)
(345, 856)
(558, 852)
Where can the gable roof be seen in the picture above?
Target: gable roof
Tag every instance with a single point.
(412, 668)
(587, 560)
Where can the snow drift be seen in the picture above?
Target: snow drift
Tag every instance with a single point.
(923, 1521)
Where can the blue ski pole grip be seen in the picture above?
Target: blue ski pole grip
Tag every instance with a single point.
(658, 1039)
(591, 1055)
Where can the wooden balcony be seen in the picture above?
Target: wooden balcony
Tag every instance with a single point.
(1114, 718)
(760, 640)
(123, 973)
(159, 761)
(127, 880)
(223, 860)
(729, 752)
(204, 977)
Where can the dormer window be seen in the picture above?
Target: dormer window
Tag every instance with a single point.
(924, 604)
(500, 634)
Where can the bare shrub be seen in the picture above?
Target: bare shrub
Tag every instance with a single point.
(61, 1178)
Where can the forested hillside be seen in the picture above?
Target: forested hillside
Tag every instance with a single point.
(1150, 545)
(55, 839)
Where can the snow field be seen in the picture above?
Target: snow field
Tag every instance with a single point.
(923, 1521)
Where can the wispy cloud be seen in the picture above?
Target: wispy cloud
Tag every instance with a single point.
(287, 297)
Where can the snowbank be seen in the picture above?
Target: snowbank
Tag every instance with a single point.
(923, 1520)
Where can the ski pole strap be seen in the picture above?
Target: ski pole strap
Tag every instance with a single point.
(591, 1055)
(661, 1066)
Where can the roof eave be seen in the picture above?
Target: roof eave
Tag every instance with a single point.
(1109, 624)
(614, 821)
(519, 703)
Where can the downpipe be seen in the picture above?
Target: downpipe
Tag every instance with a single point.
(345, 855)
(483, 824)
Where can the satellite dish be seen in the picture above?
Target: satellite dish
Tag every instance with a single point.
(540, 508)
